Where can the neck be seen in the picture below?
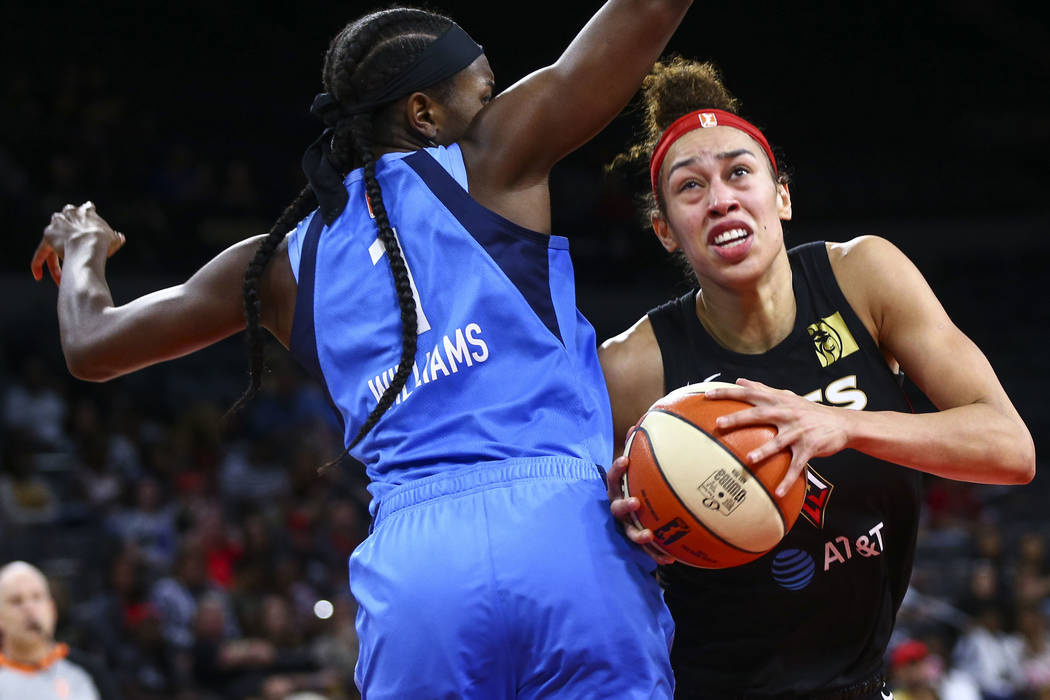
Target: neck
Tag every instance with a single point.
(31, 654)
(394, 138)
(753, 319)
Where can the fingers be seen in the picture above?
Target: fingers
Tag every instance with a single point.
(779, 442)
(54, 266)
(36, 265)
(793, 473)
(614, 478)
(45, 255)
(117, 244)
(622, 508)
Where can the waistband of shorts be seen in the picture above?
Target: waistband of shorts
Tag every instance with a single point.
(860, 689)
(484, 475)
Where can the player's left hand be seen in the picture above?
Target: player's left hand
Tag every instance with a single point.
(623, 510)
(71, 224)
(807, 428)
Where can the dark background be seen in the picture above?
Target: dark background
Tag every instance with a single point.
(924, 122)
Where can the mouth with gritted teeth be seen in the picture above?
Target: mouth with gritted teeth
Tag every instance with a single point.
(731, 240)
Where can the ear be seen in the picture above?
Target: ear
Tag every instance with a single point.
(783, 202)
(423, 115)
(663, 233)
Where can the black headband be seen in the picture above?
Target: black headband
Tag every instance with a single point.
(447, 55)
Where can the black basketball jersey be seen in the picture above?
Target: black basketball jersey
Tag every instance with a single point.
(817, 611)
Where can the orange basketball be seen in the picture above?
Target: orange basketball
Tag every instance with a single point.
(706, 506)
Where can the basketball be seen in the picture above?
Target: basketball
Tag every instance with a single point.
(707, 507)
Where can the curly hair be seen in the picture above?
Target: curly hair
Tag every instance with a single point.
(672, 89)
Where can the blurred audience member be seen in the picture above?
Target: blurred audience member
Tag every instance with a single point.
(32, 664)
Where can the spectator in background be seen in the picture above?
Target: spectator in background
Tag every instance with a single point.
(1035, 650)
(26, 498)
(176, 597)
(148, 523)
(32, 664)
(991, 655)
(35, 405)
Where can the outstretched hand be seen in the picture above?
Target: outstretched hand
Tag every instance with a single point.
(70, 224)
(624, 508)
(807, 428)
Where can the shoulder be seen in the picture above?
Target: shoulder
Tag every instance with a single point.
(863, 268)
(633, 368)
(862, 254)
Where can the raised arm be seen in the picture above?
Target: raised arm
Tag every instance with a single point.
(101, 341)
(515, 140)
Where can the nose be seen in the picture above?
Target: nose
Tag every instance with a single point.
(721, 199)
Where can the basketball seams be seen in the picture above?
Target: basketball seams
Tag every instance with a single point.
(718, 441)
(670, 488)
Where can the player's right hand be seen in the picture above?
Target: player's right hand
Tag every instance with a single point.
(623, 510)
(70, 224)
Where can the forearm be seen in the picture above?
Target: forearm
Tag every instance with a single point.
(977, 442)
(102, 341)
(83, 298)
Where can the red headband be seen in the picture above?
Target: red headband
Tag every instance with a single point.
(702, 119)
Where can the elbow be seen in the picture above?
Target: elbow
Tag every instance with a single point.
(1026, 471)
(86, 364)
(1017, 464)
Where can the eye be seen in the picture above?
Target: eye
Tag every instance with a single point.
(739, 171)
(689, 184)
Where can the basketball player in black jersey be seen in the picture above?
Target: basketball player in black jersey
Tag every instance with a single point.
(814, 338)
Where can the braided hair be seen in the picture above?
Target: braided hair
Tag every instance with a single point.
(367, 54)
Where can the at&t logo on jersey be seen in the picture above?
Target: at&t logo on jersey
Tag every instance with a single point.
(841, 549)
(794, 569)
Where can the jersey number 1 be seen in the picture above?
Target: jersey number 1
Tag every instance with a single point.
(377, 250)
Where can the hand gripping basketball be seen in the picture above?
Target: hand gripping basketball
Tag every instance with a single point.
(705, 504)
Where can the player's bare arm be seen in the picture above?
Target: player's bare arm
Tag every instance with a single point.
(515, 141)
(101, 340)
(633, 378)
(976, 435)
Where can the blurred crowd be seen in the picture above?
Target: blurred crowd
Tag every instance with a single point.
(197, 557)
(203, 556)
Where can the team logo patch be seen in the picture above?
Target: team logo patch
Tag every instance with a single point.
(832, 339)
(818, 493)
(671, 531)
(707, 120)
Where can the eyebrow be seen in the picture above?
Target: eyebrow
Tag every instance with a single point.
(725, 155)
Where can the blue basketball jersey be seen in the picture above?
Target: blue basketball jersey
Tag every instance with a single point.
(506, 367)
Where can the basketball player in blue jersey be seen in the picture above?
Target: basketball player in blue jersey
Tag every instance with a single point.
(417, 278)
(814, 338)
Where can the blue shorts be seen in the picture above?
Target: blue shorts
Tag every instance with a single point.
(507, 580)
